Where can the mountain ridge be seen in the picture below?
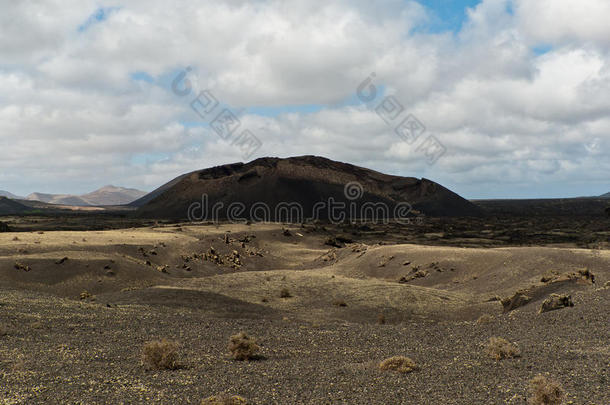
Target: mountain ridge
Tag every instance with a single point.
(8, 194)
(107, 195)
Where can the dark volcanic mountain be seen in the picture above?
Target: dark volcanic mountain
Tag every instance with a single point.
(268, 183)
(607, 195)
(10, 207)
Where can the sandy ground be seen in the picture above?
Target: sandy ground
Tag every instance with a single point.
(321, 345)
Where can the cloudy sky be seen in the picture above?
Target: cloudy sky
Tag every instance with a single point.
(515, 92)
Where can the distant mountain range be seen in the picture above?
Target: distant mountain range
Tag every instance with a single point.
(12, 196)
(607, 195)
(108, 195)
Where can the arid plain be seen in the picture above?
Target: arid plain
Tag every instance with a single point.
(325, 303)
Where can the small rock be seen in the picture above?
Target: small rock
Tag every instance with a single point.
(344, 239)
(333, 242)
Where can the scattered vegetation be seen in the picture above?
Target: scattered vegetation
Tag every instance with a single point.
(21, 266)
(224, 399)
(518, 300)
(285, 293)
(544, 391)
(233, 259)
(585, 275)
(500, 348)
(485, 319)
(415, 274)
(242, 347)
(556, 301)
(399, 364)
(84, 295)
(160, 355)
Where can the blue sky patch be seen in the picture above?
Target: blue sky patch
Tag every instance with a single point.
(447, 15)
(542, 49)
(101, 14)
(141, 76)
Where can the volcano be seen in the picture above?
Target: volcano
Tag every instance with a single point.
(311, 183)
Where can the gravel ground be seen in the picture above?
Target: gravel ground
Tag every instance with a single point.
(56, 350)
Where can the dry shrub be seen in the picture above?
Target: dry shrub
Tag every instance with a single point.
(381, 319)
(400, 364)
(243, 347)
(556, 301)
(21, 266)
(160, 355)
(285, 293)
(544, 391)
(500, 348)
(224, 399)
(485, 319)
(518, 300)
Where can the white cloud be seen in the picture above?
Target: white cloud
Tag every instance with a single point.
(72, 118)
(559, 22)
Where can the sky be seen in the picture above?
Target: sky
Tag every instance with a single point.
(491, 98)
